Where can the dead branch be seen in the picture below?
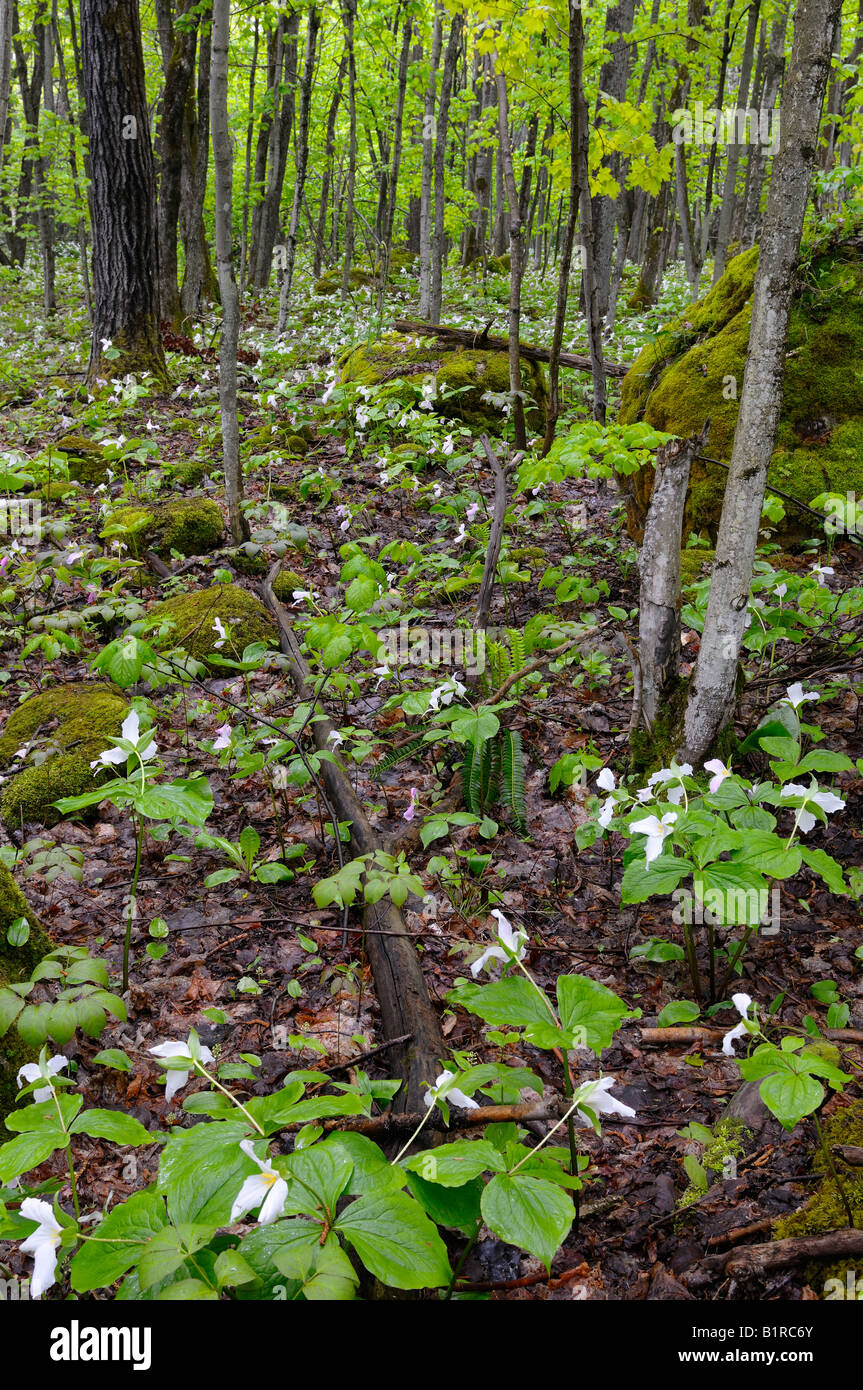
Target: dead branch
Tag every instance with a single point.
(463, 337)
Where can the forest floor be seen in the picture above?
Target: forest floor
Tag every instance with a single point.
(277, 966)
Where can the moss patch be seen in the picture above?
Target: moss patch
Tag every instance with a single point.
(694, 370)
(192, 616)
(16, 963)
(72, 724)
(398, 364)
(825, 1211)
(331, 283)
(188, 525)
(85, 458)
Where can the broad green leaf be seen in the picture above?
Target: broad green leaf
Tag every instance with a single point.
(528, 1212)
(113, 1125)
(396, 1241)
(122, 1236)
(589, 1010)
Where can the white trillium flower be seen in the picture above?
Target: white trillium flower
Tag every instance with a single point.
(446, 693)
(223, 738)
(606, 780)
(657, 831)
(441, 1091)
(335, 738)
(820, 571)
(595, 1095)
(130, 732)
(176, 1078)
(720, 772)
(605, 815)
(219, 627)
(742, 1004)
(795, 698)
(266, 1190)
(31, 1071)
(514, 940)
(42, 1244)
(826, 800)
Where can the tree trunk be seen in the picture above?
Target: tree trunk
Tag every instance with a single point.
(223, 164)
(329, 149)
(247, 172)
(774, 67)
(178, 77)
(613, 80)
(44, 200)
(302, 153)
(427, 167)
(277, 157)
(515, 256)
(349, 14)
(711, 694)
(125, 258)
(65, 110)
(729, 192)
(6, 20)
(437, 247)
(31, 100)
(200, 285)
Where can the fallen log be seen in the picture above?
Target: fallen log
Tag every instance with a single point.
(399, 982)
(774, 1254)
(464, 337)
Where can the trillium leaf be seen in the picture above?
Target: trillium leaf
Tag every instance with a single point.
(455, 1207)
(232, 1270)
(640, 883)
(452, 1165)
(528, 1212)
(324, 1272)
(169, 1249)
(114, 1125)
(372, 1171)
(322, 1170)
(260, 1248)
(514, 1001)
(27, 1151)
(202, 1169)
(186, 799)
(123, 1235)
(589, 1010)
(396, 1241)
(188, 1291)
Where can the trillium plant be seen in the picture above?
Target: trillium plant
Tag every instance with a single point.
(717, 849)
(185, 800)
(254, 1201)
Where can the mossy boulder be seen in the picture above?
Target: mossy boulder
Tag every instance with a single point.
(58, 491)
(694, 370)
(189, 472)
(188, 525)
(499, 265)
(192, 618)
(71, 725)
(16, 963)
(286, 582)
(85, 459)
(331, 283)
(398, 364)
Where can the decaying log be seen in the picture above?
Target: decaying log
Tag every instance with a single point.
(850, 1154)
(399, 983)
(463, 337)
(393, 1126)
(774, 1254)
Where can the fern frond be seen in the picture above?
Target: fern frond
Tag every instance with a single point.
(512, 789)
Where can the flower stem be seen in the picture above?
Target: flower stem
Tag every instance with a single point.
(127, 941)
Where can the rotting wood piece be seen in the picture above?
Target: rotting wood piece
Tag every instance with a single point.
(399, 982)
(463, 337)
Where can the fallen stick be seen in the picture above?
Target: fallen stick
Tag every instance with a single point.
(395, 1127)
(463, 337)
(399, 982)
(696, 1034)
(849, 1154)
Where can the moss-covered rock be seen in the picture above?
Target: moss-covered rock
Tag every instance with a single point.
(464, 377)
(694, 371)
(16, 963)
(188, 525)
(192, 620)
(85, 458)
(825, 1211)
(189, 472)
(331, 283)
(71, 725)
(58, 491)
(248, 559)
(499, 265)
(286, 582)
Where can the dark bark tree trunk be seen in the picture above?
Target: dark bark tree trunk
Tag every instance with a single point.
(437, 247)
(125, 258)
(711, 693)
(31, 101)
(223, 162)
(774, 66)
(200, 285)
(178, 76)
(65, 111)
(329, 151)
(349, 14)
(6, 19)
(277, 156)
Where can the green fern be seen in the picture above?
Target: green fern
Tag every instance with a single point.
(399, 755)
(512, 791)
